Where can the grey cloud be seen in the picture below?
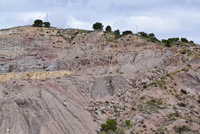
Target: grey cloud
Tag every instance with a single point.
(165, 18)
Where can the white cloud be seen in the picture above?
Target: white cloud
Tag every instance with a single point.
(148, 23)
(55, 2)
(74, 23)
(32, 16)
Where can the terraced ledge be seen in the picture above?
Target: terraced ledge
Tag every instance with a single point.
(33, 75)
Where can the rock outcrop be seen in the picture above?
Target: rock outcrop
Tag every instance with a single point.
(69, 81)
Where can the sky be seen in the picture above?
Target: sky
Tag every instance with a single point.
(164, 18)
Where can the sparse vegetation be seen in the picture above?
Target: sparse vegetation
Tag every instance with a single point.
(143, 34)
(142, 97)
(167, 43)
(128, 123)
(173, 115)
(47, 24)
(184, 40)
(108, 29)
(40, 23)
(111, 124)
(127, 32)
(98, 26)
(151, 37)
(181, 129)
(150, 106)
(117, 33)
(111, 128)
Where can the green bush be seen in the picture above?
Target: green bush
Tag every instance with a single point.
(97, 26)
(167, 42)
(151, 35)
(175, 39)
(159, 101)
(143, 34)
(117, 33)
(145, 86)
(47, 24)
(127, 32)
(142, 97)
(38, 23)
(108, 29)
(127, 122)
(111, 124)
(184, 40)
(181, 129)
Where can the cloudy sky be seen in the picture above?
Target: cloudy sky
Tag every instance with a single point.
(164, 18)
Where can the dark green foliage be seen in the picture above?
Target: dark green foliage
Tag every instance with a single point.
(38, 23)
(181, 104)
(167, 42)
(154, 40)
(142, 97)
(181, 129)
(108, 29)
(104, 127)
(145, 86)
(184, 40)
(151, 35)
(192, 42)
(175, 39)
(143, 34)
(98, 26)
(117, 33)
(176, 114)
(127, 32)
(127, 122)
(47, 24)
(111, 124)
(184, 52)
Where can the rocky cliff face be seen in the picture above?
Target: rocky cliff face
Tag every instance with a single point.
(69, 81)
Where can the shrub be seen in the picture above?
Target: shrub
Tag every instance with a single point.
(184, 40)
(175, 39)
(167, 42)
(159, 101)
(181, 104)
(38, 23)
(143, 34)
(47, 24)
(111, 124)
(108, 29)
(117, 33)
(128, 123)
(154, 40)
(176, 114)
(97, 26)
(151, 35)
(127, 32)
(145, 86)
(181, 129)
(192, 42)
(119, 131)
(142, 97)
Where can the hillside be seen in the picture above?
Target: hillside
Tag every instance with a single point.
(70, 81)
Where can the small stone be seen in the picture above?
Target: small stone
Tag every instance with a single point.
(65, 104)
(57, 93)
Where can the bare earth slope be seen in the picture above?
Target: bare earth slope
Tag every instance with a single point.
(69, 81)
